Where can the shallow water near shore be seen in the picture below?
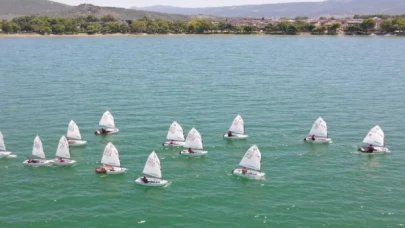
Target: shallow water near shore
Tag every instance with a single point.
(279, 85)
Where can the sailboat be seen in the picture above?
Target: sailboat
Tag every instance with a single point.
(38, 151)
(318, 132)
(63, 154)
(74, 136)
(108, 125)
(193, 147)
(152, 168)
(237, 129)
(375, 138)
(175, 135)
(110, 161)
(3, 152)
(251, 163)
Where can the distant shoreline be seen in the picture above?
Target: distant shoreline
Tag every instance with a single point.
(26, 35)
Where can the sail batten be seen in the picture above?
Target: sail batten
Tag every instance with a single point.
(111, 156)
(238, 126)
(63, 148)
(37, 148)
(73, 131)
(194, 140)
(175, 132)
(375, 137)
(319, 128)
(107, 120)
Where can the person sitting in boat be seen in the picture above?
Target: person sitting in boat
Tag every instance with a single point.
(244, 170)
(190, 150)
(32, 161)
(313, 137)
(145, 180)
(112, 169)
(370, 149)
(229, 133)
(61, 160)
(171, 142)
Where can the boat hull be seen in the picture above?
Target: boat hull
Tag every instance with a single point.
(236, 136)
(152, 182)
(377, 150)
(75, 142)
(110, 170)
(175, 143)
(318, 140)
(39, 162)
(108, 131)
(4, 154)
(196, 153)
(251, 174)
(66, 162)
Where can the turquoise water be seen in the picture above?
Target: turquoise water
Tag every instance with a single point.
(280, 85)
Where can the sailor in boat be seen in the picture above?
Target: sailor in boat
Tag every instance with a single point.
(61, 160)
(145, 180)
(171, 142)
(313, 137)
(190, 150)
(102, 131)
(229, 133)
(32, 161)
(370, 149)
(244, 170)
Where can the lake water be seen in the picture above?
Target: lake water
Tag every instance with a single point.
(279, 85)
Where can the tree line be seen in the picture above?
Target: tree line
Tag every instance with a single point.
(109, 25)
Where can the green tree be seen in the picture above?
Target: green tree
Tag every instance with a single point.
(292, 29)
(269, 28)
(108, 18)
(139, 26)
(91, 18)
(247, 29)
(10, 27)
(71, 26)
(368, 25)
(238, 29)
(92, 29)
(399, 24)
(41, 25)
(58, 28)
(124, 28)
(222, 26)
(332, 29)
(353, 28)
(283, 26)
(24, 23)
(387, 26)
(300, 18)
(319, 30)
(178, 26)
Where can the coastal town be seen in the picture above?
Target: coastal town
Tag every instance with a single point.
(386, 25)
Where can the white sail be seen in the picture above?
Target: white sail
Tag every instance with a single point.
(252, 158)
(107, 120)
(63, 148)
(375, 137)
(111, 156)
(152, 166)
(175, 132)
(238, 125)
(193, 140)
(2, 144)
(73, 131)
(319, 128)
(37, 148)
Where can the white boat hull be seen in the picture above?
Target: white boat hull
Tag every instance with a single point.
(110, 170)
(377, 150)
(175, 143)
(152, 182)
(66, 162)
(40, 162)
(251, 174)
(5, 154)
(109, 131)
(75, 142)
(196, 153)
(236, 136)
(318, 140)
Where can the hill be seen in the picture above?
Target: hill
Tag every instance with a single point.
(15, 8)
(311, 9)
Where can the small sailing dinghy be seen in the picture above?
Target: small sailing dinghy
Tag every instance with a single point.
(193, 147)
(318, 132)
(175, 135)
(74, 136)
(152, 168)
(375, 140)
(108, 125)
(63, 154)
(237, 129)
(251, 163)
(110, 161)
(38, 151)
(3, 152)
